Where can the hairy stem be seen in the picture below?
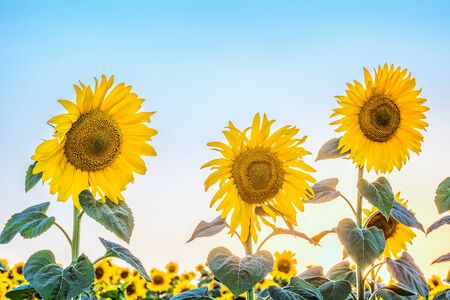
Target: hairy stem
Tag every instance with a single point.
(76, 233)
(249, 251)
(349, 203)
(359, 270)
(65, 233)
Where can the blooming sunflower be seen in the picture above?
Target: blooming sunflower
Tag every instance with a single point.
(172, 269)
(103, 271)
(259, 169)
(136, 289)
(17, 272)
(183, 286)
(97, 144)
(396, 234)
(381, 121)
(160, 281)
(122, 274)
(285, 265)
(434, 282)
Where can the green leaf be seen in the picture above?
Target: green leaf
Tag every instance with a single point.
(324, 191)
(21, 292)
(379, 194)
(444, 295)
(312, 272)
(123, 253)
(396, 292)
(53, 282)
(342, 271)
(206, 229)
(441, 222)
(335, 290)
(316, 280)
(404, 216)
(442, 198)
(443, 258)
(407, 273)
(195, 294)
(363, 245)
(297, 289)
(34, 216)
(239, 274)
(331, 150)
(31, 179)
(116, 218)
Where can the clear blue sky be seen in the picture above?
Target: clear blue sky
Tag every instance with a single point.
(200, 64)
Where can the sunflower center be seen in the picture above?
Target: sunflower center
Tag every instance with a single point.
(93, 142)
(124, 274)
(387, 226)
(158, 280)
(284, 266)
(131, 289)
(99, 273)
(258, 175)
(379, 118)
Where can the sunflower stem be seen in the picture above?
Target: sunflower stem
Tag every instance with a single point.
(249, 251)
(359, 270)
(76, 233)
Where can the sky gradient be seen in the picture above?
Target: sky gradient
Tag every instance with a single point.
(200, 64)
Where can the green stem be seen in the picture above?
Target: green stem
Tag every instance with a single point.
(249, 251)
(359, 270)
(76, 233)
(101, 258)
(64, 232)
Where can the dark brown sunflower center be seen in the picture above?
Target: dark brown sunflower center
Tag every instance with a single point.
(99, 273)
(258, 175)
(388, 226)
(124, 274)
(131, 289)
(158, 279)
(284, 266)
(20, 270)
(93, 142)
(379, 118)
(172, 269)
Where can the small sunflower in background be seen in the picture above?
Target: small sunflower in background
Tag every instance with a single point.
(264, 284)
(103, 271)
(285, 265)
(172, 269)
(160, 281)
(396, 234)
(182, 286)
(122, 274)
(136, 289)
(98, 143)
(17, 272)
(434, 282)
(258, 168)
(382, 120)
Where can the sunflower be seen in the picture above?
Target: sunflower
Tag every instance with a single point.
(17, 272)
(122, 274)
(97, 144)
(103, 271)
(259, 169)
(172, 269)
(183, 286)
(160, 281)
(396, 234)
(136, 289)
(381, 121)
(434, 282)
(285, 265)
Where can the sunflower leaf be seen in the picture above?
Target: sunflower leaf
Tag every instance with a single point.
(363, 245)
(335, 290)
(200, 293)
(116, 218)
(407, 273)
(331, 150)
(379, 194)
(396, 292)
(443, 258)
(31, 222)
(324, 191)
(20, 292)
(206, 229)
(442, 198)
(441, 222)
(342, 271)
(123, 253)
(53, 282)
(404, 216)
(297, 289)
(239, 274)
(444, 295)
(311, 272)
(31, 179)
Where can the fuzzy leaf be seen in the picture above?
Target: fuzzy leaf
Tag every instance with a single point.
(123, 253)
(195, 294)
(31, 179)
(20, 292)
(31, 222)
(444, 295)
(407, 273)
(335, 290)
(404, 216)
(205, 229)
(297, 289)
(441, 222)
(443, 258)
(311, 272)
(342, 271)
(379, 194)
(116, 218)
(324, 191)
(442, 198)
(363, 245)
(239, 274)
(331, 150)
(53, 282)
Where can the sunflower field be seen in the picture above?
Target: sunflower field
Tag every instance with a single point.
(260, 180)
